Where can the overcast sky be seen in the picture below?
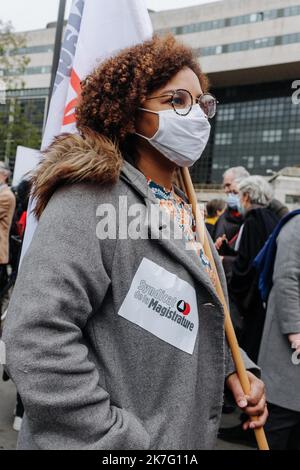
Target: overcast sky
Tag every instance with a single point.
(35, 14)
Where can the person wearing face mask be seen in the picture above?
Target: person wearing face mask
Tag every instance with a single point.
(231, 221)
(255, 194)
(119, 341)
(228, 233)
(229, 224)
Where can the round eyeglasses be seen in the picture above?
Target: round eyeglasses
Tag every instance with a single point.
(182, 102)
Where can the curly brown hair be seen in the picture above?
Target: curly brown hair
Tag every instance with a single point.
(112, 93)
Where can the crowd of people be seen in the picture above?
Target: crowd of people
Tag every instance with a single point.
(267, 328)
(13, 214)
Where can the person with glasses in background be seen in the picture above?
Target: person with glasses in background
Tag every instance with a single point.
(230, 222)
(119, 342)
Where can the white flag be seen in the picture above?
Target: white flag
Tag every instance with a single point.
(96, 29)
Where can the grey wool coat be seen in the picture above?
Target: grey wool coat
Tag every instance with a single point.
(279, 362)
(95, 366)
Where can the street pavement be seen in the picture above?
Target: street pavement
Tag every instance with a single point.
(8, 437)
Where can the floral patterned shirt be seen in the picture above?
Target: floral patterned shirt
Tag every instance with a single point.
(182, 213)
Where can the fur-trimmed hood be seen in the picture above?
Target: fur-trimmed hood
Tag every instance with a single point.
(73, 158)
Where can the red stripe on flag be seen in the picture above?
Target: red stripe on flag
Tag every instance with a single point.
(75, 84)
(71, 105)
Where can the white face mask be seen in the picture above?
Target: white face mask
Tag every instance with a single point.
(181, 139)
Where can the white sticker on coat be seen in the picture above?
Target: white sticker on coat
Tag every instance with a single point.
(163, 304)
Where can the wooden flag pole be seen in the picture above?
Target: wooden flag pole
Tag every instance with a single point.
(185, 178)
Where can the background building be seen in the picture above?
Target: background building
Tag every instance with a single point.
(250, 50)
(286, 186)
(32, 99)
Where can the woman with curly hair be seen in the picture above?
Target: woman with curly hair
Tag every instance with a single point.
(115, 337)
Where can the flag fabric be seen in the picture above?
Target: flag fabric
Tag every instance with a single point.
(96, 30)
(26, 160)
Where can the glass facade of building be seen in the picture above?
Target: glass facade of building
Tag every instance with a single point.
(46, 69)
(249, 45)
(257, 126)
(32, 50)
(255, 17)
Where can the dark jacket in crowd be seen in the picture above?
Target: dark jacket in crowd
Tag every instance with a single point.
(259, 224)
(229, 224)
(231, 220)
(279, 209)
(210, 229)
